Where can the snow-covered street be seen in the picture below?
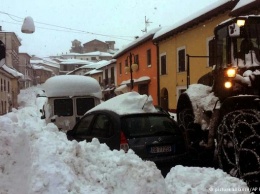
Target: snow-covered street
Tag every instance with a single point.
(37, 158)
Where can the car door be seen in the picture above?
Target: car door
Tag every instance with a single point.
(99, 125)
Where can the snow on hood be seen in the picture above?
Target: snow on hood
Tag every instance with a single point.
(127, 103)
(72, 85)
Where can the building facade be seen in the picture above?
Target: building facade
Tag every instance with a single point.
(143, 53)
(190, 40)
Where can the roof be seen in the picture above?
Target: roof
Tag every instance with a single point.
(95, 40)
(245, 7)
(12, 71)
(45, 61)
(39, 67)
(205, 14)
(75, 61)
(135, 43)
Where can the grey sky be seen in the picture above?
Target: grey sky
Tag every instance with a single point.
(118, 20)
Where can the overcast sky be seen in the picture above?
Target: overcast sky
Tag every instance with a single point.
(58, 23)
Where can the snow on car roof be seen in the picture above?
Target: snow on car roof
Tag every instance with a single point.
(72, 85)
(127, 103)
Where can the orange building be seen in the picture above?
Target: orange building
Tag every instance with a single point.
(140, 56)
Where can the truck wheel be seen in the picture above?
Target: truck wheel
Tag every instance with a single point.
(185, 118)
(239, 145)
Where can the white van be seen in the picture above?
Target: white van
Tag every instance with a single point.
(69, 97)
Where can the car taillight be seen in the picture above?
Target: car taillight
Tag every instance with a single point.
(123, 142)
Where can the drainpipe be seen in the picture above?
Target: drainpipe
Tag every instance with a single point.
(158, 74)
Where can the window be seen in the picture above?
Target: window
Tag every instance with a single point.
(212, 52)
(120, 68)
(63, 107)
(112, 75)
(83, 127)
(106, 76)
(102, 127)
(148, 55)
(181, 59)
(4, 86)
(136, 59)
(147, 125)
(84, 104)
(163, 64)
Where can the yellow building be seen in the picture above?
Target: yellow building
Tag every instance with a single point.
(191, 37)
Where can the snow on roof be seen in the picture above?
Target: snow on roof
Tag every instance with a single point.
(46, 61)
(35, 67)
(136, 42)
(12, 71)
(99, 53)
(72, 85)
(189, 18)
(101, 64)
(128, 103)
(94, 71)
(75, 61)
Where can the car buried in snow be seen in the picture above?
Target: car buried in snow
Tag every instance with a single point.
(151, 134)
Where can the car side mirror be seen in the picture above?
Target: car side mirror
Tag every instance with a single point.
(233, 30)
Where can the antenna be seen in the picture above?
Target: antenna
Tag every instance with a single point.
(146, 23)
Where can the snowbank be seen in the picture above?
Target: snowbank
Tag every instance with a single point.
(36, 158)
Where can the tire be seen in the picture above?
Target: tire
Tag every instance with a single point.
(239, 145)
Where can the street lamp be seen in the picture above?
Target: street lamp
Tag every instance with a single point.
(27, 27)
(131, 68)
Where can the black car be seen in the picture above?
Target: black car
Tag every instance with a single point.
(152, 136)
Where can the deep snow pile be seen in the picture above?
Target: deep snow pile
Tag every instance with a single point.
(37, 158)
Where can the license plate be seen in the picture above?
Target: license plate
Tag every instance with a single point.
(161, 149)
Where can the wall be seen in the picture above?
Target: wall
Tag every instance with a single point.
(195, 42)
(143, 70)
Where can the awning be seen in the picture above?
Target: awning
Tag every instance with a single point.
(108, 89)
(121, 89)
(140, 80)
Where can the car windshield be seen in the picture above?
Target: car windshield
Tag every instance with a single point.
(148, 125)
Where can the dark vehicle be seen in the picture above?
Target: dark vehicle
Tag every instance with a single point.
(152, 136)
(234, 121)
(160, 109)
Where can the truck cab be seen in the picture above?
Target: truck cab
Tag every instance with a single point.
(68, 98)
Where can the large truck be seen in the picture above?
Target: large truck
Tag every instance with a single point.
(221, 113)
(68, 98)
